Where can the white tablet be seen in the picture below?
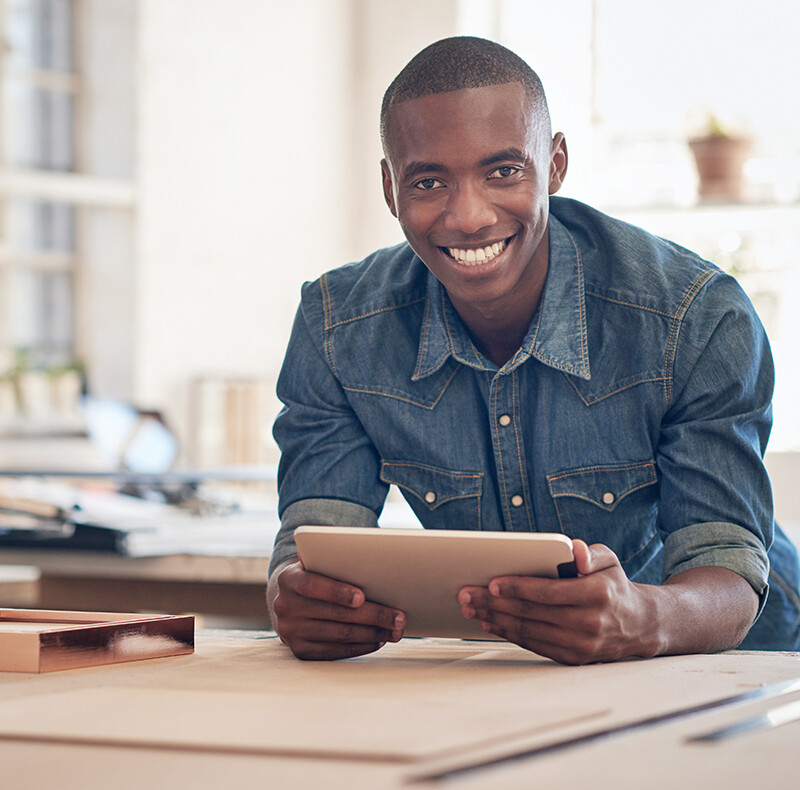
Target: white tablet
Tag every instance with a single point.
(421, 571)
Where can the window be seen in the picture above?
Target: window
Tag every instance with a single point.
(39, 97)
(66, 199)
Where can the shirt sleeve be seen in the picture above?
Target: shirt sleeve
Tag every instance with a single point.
(716, 501)
(327, 457)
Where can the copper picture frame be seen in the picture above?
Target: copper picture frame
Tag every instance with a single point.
(40, 640)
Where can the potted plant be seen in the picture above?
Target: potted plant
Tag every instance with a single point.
(720, 156)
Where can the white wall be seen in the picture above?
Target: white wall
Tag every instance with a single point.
(106, 318)
(243, 163)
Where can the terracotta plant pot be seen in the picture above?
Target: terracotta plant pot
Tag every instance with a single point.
(720, 164)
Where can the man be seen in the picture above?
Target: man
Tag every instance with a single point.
(527, 363)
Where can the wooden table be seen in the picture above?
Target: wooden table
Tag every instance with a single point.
(242, 712)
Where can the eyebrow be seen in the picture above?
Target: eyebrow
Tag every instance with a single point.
(414, 169)
(516, 154)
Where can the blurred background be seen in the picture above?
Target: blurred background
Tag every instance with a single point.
(171, 171)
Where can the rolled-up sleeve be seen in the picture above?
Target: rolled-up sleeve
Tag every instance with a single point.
(724, 545)
(715, 496)
(317, 512)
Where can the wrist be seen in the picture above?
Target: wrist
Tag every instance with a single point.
(656, 602)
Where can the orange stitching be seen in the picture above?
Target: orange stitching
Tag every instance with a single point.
(326, 306)
(457, 475)
(402, 399)
(496, 433)
(377, 312)
(581, 302)
(600, 504)
(672, 340)
(424, 339)
(629, 304)
(525, 490)
(591, 469)
(615, 392)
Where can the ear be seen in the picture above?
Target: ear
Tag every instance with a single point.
(558, 162)
(388, 188)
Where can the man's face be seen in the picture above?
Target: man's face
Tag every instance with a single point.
(468, 174)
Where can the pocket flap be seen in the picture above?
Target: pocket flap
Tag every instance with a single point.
(604, 486)
(431, 485)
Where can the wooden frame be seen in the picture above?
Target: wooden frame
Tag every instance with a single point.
(40, 640)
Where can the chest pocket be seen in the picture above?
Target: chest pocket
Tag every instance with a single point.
(615, 505)
(440, 498)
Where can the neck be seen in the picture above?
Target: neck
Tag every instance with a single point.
(498, 340)
(498, 328)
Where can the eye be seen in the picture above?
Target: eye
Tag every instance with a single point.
(426, 184)
(504, 171)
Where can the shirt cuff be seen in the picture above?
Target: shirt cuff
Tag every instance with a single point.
(317, 512)
(718, 543)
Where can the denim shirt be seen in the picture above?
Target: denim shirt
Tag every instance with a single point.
(635, 413)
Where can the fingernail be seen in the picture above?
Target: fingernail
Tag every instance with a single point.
(464, 597)
(400, 621)
(397, 636)
(486, 627)
(468, 612)
(494, 589)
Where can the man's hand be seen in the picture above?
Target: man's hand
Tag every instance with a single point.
(321, 618)
(603, 616)
(574, 621)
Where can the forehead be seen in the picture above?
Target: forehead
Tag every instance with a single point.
(458, 124)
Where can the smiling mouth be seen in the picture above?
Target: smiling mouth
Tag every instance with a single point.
(474, 256)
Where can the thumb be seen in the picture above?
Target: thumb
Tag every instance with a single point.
(594, 558)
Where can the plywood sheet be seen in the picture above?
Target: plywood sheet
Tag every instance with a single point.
(374, 728)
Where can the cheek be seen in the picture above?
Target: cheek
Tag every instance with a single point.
(530, 209)
(418, 217)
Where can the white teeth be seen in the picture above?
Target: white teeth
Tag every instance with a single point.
(472, 257)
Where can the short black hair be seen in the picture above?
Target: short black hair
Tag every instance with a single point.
(457, 63)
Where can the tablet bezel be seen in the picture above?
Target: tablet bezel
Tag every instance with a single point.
(421, 571)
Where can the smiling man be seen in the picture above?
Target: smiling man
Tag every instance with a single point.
(526, 363)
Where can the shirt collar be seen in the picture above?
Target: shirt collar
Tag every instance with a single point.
(556, 336)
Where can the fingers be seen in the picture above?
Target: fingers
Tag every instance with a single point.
(324, 651)
(581, 591)
(297, 579)
(321, 618)
(568, 634)
(321, 640)
(573, 621)
(544, 639)
(318, 621)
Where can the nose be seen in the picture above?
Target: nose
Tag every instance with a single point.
(468, 210)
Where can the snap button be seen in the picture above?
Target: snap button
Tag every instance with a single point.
(430, 497)
(608, 498)
(516, 500)
(505, 420)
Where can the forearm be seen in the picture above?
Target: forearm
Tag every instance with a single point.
(701, 610)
